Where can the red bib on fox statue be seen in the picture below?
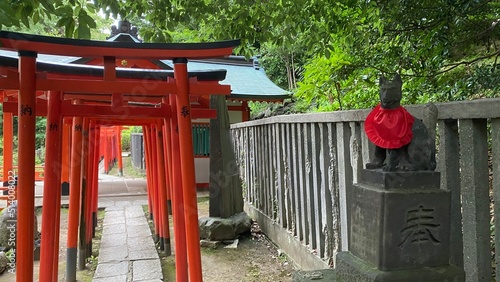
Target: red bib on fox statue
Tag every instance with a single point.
(389, 128)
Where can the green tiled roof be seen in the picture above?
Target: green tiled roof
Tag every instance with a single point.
(247, 82)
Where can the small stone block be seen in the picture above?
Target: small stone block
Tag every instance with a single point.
(350, 268)
(36, 253)
(406, 180)
(209, 244)
(314, 275)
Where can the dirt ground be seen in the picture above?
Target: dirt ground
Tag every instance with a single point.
(255, 259)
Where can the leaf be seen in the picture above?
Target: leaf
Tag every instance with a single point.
(36, 17)
(62, 22)
(48, 5)
(88, 20)
(83, 31)
(77, 10)
(64, 11)
(91, 8)
(69, 28)
(25, 17)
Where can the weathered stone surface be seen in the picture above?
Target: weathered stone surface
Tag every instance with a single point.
(216, 229)
(146, 270)
(242, 223)
(3, 262)
(351, 268)
(137, 221)
(401, 228)
(138, 230)
(113, 220)
(111, 269)
(36, 251)
(134, 211)
(114, 240)
(315, 275)
(396, 233)
(406, 180)
(226, 197)
(209, 244)
(113, 229)
(220, 229)
(117, 278)
(112, 254)
(143, 254)
(137, 244)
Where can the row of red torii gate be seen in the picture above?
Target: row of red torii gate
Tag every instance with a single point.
(81, 104)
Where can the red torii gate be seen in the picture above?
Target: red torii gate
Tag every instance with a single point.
(175, 102)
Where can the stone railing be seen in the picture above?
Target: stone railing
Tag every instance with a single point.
(298, 172)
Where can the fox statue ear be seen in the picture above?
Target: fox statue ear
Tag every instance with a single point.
(382, 80)
(397, 78)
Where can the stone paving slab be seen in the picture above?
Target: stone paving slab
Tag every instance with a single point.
(114, 240)
(127, 252)
(140, 243)
(137, 222)
(138, 231)
(113, 229)
(146, 270)
(111, 269)
(115, 220)
(145, 254)
(111, 254)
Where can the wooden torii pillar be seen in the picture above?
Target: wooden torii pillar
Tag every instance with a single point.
(8, 138)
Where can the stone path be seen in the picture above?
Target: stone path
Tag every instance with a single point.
(127, 252)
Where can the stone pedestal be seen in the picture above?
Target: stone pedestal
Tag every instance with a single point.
(399, 229)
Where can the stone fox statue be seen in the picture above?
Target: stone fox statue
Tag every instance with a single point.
(402, 141)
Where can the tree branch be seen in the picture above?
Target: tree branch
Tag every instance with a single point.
(448, 67)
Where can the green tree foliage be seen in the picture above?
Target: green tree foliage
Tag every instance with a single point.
(69, 18)
(444, 49)
(41, 126)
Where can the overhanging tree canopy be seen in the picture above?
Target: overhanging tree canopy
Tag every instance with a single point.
(420, 39)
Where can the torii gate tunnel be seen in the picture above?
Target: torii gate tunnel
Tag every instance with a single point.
(89, 98)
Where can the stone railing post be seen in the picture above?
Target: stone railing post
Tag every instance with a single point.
(400, 229)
